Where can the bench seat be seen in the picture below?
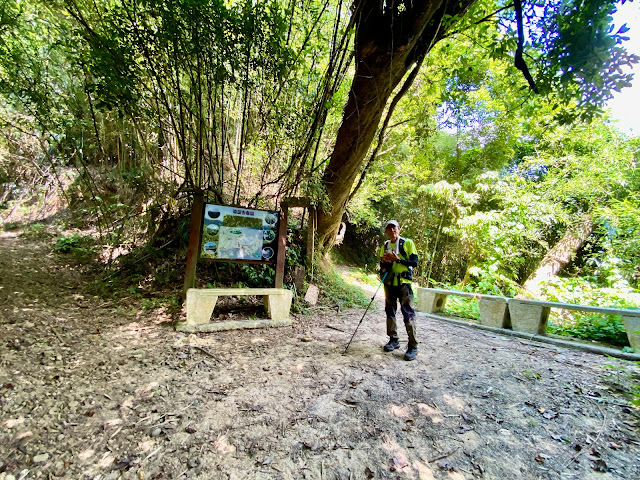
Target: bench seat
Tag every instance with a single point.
(202, 301)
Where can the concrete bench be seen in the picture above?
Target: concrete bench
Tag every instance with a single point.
(493, 309)
(531, 316)
(201, 302)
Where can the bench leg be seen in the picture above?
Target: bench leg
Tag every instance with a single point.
(430, 302)
(278, 306)
(632, 326)
(199, 307)
(528, 318)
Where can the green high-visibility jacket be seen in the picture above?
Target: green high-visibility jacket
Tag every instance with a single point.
(397, 271)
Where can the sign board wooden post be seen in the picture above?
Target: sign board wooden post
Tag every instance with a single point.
(311, 230)
(282, 243)
(193, 248)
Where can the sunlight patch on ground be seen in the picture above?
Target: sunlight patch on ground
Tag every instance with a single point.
(106, 460)
(86, 454)
(456, 403)
(401, 411)
(297, 368)
(428, 411)
(424, 472)
(456, 476)
(398, 454)
(222, 445)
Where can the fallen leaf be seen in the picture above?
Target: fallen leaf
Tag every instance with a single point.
(464, 429)
(111, 423)
(397, 463)
(400, 462)
(222, 445)
(85, 454)
(12, 422)
(22, 435)
(311, 446)
(600, 466)
(123, 463)
(106, 460)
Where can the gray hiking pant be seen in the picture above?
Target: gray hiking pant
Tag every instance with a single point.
(404, 294)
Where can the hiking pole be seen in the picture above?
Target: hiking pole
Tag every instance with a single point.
(365, 312)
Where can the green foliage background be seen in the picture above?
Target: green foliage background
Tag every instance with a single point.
(120, 110)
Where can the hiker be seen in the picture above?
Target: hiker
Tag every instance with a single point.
(398, 258)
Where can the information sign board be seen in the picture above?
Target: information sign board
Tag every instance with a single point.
(232, 233)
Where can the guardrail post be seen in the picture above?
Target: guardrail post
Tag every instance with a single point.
(632, 326)
(430, 302)
(494, 312)
(528, 318)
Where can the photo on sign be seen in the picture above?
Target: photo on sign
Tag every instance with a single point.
(233, 233)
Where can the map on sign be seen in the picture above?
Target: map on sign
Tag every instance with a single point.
(232, 233)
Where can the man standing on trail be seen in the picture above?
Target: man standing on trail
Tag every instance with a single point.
(398, 258)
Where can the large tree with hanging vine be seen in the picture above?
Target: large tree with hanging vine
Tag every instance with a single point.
(571, 46)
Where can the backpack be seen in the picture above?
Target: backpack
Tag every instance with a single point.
(400, 247)
(408, 274)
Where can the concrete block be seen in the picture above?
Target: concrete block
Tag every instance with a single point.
(528, 318)
(632, 326)
(430, 302)
(279, 306)
(494, 312)
(199, 306)
(232, 325)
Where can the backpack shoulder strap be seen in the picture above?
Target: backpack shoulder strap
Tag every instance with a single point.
(401, 247)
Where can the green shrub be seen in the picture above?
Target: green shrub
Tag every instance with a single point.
(588, 326)
(462, 307)
(11, 226)
(600, 328)
(72, 244)
(258, 275)
(333, 286)
(34, 230)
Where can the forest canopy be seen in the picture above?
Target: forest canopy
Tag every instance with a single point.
(477, 124)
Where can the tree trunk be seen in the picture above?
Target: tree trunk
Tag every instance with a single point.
(388, 41)
(556, 259)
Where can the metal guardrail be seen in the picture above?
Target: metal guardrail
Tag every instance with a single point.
(523, 315)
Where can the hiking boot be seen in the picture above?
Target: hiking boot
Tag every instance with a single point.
(411, 354)
(392, 345)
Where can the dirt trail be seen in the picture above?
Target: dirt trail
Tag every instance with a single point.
(92, 390)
